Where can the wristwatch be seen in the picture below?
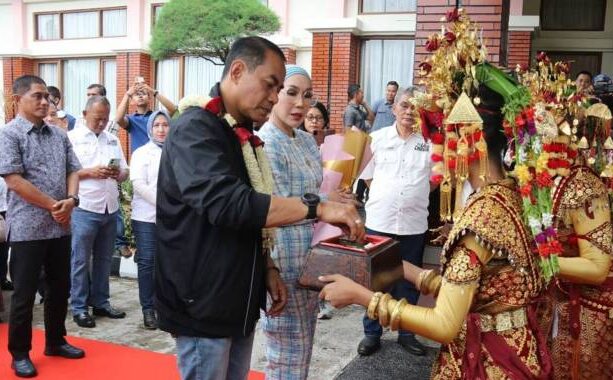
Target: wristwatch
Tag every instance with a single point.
(311, 201)
(76, 199)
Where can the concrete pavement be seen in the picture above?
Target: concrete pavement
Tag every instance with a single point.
(334, 352)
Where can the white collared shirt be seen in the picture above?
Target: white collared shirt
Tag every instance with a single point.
(399, 192)
(144, 167)
(97, 195)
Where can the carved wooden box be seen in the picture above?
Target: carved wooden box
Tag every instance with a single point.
(376, 265)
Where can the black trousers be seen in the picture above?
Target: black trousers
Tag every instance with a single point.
(361, 191)
(27, 259)
(4, 256)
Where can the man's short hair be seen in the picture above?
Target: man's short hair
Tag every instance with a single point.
(393, 83)
(101, 88)
(352, 90)
(97, 99)
(584, 72)
(24, 82)
(252, 50)
(409, 91)
(54, 91)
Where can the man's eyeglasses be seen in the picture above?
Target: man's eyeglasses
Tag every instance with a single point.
(315, 119)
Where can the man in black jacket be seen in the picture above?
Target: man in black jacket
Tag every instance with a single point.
(211, 272)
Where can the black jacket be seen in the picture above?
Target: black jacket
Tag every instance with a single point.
(209, 269)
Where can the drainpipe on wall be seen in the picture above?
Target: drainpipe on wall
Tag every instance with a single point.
(329, 86)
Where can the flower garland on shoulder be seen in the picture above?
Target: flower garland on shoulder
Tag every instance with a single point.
(252, 147)
(545, 150)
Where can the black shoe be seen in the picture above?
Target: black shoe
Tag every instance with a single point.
(23, 368)
(149, 320)
(109, 312)
(84, 319)
(66, 351)
(409, 343)
(369, 345)
(6, 285)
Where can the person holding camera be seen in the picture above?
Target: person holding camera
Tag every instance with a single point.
(94, 220)
(141, 95)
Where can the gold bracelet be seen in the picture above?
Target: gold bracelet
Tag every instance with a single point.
(396, 314)
(423, 275)
(384, 315)
(372, 305)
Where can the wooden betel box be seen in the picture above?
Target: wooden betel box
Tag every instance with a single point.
(376, 264)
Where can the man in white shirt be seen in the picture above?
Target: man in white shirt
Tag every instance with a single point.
(94, 221)
(399, 176)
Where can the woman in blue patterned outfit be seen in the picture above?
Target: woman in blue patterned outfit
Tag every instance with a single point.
(297, 169)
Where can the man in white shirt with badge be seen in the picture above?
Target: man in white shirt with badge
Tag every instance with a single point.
(399, 176)
(94, 221)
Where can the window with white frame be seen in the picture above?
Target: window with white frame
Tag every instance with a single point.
(80, 25)
(77, 74)
(167, 78)
(73, 76)
(200, 76)
(186, 75)
(383, 61)
(48, 27)
(388, 6)
(111, 22)
(114, 22)
(48, 72)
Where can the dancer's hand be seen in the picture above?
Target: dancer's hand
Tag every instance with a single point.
(341, 291)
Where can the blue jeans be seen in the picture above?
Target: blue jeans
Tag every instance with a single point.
(411, 250)
(93, 234)
(214, 358)
(120, 237)
(146, 238)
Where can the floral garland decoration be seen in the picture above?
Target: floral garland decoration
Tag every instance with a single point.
(545, 150)
(252, 147)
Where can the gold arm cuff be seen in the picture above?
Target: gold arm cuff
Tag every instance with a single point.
(427, 282)
(396, 314)
(372, 305)
(384, 315)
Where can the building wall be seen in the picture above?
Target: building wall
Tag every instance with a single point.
(488, 13)
(571, 41)
(519, 48)
(3, 101)
(301, 20)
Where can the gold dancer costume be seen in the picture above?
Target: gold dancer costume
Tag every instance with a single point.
(483, 314)
(582, 326)
(578, 310)
(489, 278)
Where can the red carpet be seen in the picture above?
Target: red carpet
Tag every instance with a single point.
(102, 361)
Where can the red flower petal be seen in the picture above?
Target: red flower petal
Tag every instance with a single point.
(450, 37)
(436, 179)
(438, 138)
(214, 105)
